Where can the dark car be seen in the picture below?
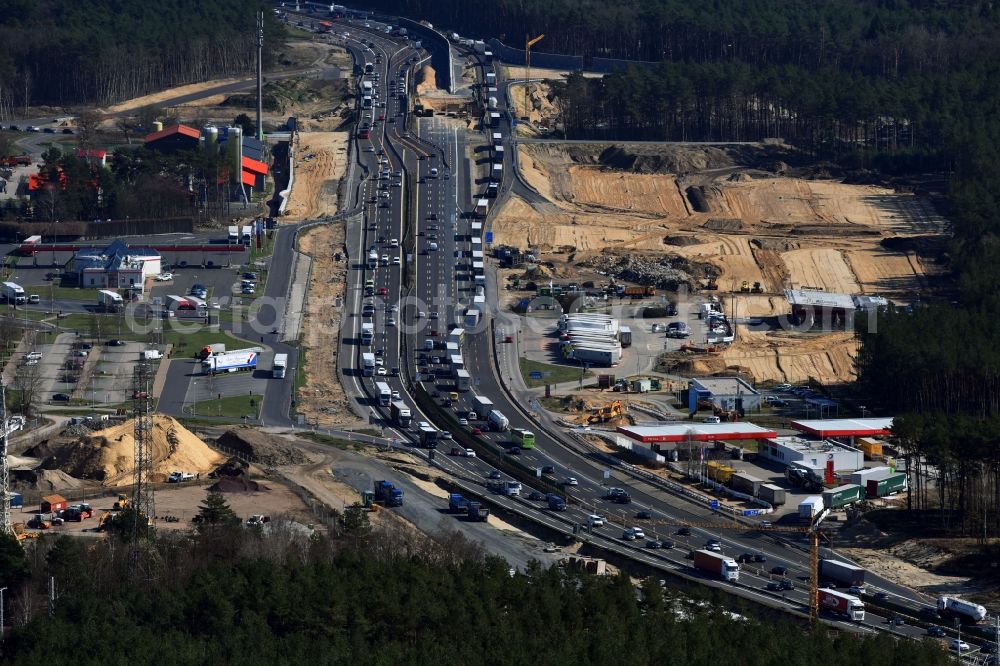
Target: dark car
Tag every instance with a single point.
(514, 451)
(936, 632)
(536, 496)
(773, 586)
(494, 474)
(897, 620)
(67, 130)
(744, 557)
(759, 557)
(60, 397)
(684, 531)
(931, 612)
(786, 585)
(249, 276)
(644, 515)
(115, 342)
(548, 469)
(667, 543)
(653, 543)
(779, 571)
(882, 596)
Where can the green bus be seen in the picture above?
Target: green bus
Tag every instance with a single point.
(523, 438)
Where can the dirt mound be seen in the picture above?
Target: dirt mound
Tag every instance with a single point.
(739, 177)
(665, 272)
(728, 224)
(777, 244)
(262, 448)
(672, 159)
(682, 241)
(428, 80)
(238, 485)
(108, 455)
(230, 468)
(47, 481)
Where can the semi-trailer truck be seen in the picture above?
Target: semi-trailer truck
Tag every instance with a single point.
(388, 494)
(367, 333)
(213, 349)
(591, 356)
(482, 405)
(368, 364)
(498, 422)
(110, 301)
(471, 317)
(721, 565)
(13, 293)
(457, 503)
(230, 362)
(401, 413)
(842, 572)
(840, 603)
(429, 436)
(965, 610)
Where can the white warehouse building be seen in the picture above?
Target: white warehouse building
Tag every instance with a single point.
(812, 452)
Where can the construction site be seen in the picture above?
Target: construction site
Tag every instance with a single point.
(734, 221)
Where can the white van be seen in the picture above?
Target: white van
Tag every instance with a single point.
(432, 246)
(434, 172)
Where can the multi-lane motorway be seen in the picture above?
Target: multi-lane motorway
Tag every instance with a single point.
(421, 178)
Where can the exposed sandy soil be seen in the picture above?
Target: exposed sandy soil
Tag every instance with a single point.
(322, 398)
(540, 109)
(515, 72)
(320, 162)
(170, 93)
(753, 225)
(427, 81)
(895, 563)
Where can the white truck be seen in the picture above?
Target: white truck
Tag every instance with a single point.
(471, 317)
(463, 381)
(367, 333)
(230, 362)
(721, 565)
(400, 413)
(110, 301)
(482, 405)
(368, 364)
(594, 356)
(482, 207)
(13, 293)
(234, 235)
(279, 366)
(497, 421)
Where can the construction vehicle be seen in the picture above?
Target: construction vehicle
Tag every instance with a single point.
(388, 494)
(104, 522)
(712, 285)
(368, 499)
(40, 522)
(608, 412)
(745, 287)
(757, 289)
(122, 502)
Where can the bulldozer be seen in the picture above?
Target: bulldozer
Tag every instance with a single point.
(608, 412)
(757, 289)
(745, 287)
(122, 502)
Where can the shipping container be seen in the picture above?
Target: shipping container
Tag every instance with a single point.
(841, 572)
(772, 494)
(810, 507)
(745, 483)
(872, 448)
(719, 472)
(836, 498)
(887, 486)
(863, 476)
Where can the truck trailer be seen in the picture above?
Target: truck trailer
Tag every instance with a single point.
(482, 405)
(772, 494)
(718, 564)
(498, 422)
(477, 512)
(843, 604)
(841, 572)
(13, 293)
(835, 498)
(593, 356)
(810, 507)
(110, 301)
(429, 436)
(961, 609)
(890, 485)
(230, 362)
(400, 413)
(279, 366)
(368, 364)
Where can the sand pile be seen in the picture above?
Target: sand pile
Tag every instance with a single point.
(47, 481)
(108, 455)
(261, 448)
(428, 80)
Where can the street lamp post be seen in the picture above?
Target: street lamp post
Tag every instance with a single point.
(2, 590)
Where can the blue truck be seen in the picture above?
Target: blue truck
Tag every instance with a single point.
(388, 494)
(556, 503)
(477, 512)
(457, 503)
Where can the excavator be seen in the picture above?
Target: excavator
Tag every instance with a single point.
(608, 412)
(755, 289)
(121, 503)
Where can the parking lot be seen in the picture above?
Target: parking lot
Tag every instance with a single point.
(202, 387)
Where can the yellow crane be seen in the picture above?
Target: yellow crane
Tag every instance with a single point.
(528, 43)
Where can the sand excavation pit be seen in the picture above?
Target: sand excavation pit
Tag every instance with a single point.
(320, 161)
(786, 357)
(542, 108)
(322, 399)
(108, 455)
(821, 268)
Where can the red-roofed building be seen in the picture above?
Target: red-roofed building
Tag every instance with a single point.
(174, 139)
(253, 172)
(97, 156)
